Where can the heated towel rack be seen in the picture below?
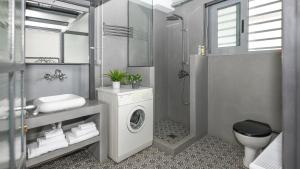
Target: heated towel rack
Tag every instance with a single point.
(115, 30)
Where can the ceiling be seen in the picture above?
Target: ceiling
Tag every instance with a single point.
(53, 14)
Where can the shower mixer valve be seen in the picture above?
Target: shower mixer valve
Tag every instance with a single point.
(182, 74)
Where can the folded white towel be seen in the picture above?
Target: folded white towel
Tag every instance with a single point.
(43, 141)
(87, 125)
(53, 133)
(79, 132)
(72, 139)
(34, 150)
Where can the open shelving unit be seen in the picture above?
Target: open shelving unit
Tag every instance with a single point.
(92, 111)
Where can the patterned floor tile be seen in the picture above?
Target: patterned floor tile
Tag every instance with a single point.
(170, 131)
(207, 153)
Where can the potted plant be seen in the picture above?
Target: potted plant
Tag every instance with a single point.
(135, 80)
(116, 77)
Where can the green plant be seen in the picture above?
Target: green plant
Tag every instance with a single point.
(134, 78)
(116, 75)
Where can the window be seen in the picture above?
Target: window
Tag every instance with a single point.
(228, 26)
(265, 25)
(238, 26)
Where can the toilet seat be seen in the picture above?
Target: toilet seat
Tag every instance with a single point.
(252, 128)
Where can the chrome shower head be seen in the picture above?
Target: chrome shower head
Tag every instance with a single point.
(174, 17)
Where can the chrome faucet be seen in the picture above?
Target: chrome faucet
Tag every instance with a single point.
(48, 76)
(58, 74)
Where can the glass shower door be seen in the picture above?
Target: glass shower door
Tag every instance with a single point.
(140, 18)
(12, 137)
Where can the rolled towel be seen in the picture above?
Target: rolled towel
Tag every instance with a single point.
(53, 133)
(79, 132)
(86, 125)
(72, 139)
(44, 141)
(34, 150)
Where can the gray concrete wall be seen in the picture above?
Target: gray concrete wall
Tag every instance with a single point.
(291, 95)
(76, 83)
(148, 74)
(243, 87)
(239, 86)
(198, 94)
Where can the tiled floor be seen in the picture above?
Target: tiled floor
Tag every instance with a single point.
(170, 131)
(207, 153)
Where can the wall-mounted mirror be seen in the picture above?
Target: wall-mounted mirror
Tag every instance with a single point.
(56, 32)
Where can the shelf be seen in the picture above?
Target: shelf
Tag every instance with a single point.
(60, 152)
(91, 107)
(94, 110)
(30, 64)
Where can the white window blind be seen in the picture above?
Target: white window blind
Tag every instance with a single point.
(228, 26)
(265, 25)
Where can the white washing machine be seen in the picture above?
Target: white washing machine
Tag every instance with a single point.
(130, 120)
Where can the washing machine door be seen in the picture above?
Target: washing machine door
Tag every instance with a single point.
(136, 119)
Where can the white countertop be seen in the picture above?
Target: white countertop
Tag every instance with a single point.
(271, 157)
(125, 89)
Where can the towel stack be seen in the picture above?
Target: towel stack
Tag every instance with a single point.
(82, 132)
(52, 140)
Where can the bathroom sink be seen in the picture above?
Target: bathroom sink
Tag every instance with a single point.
(58, 102)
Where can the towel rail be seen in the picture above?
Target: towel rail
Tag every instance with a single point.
(116, 30)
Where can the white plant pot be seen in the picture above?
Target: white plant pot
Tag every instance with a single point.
(116, 85)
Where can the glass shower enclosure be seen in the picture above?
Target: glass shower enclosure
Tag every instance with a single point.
(159, 39)
(140, 17)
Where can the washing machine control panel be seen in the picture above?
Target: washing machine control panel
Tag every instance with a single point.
(138, 96)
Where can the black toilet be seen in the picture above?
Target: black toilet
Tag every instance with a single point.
(254, 136)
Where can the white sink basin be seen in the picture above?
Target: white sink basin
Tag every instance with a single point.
(59, 102)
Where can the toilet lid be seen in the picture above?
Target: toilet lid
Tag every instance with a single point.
(252, 128)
